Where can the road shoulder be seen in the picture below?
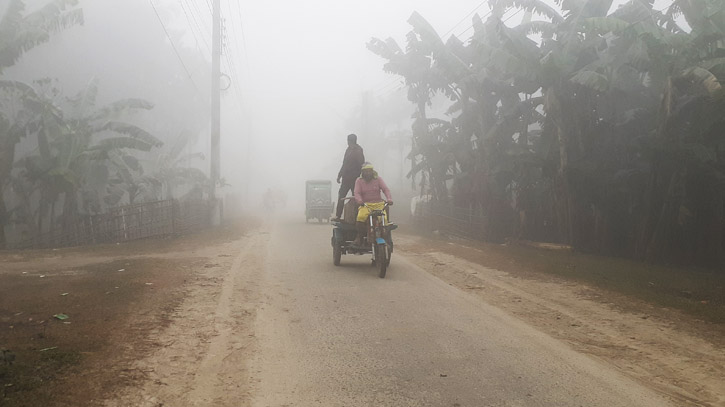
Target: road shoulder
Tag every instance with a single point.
(657, 347)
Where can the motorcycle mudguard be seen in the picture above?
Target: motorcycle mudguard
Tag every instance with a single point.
(380, 240)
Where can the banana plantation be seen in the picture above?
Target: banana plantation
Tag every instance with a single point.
(78, 158)
(595, 126)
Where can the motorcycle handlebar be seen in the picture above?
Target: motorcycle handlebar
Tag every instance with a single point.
(365, 204)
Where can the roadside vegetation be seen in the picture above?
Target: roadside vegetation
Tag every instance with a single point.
(582, 124)
(64, 155)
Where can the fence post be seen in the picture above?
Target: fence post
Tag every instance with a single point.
(123, 223)
(93, 229)
(173, 216)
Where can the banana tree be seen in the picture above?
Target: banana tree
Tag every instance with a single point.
(606, 127)
(684, 195)
(424, 75)
(81, 152)
(484, 81)
(173, 169)
(19, 33)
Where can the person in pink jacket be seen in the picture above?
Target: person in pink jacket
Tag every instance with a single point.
(367, 190)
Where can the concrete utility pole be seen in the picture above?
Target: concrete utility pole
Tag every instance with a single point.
(215, 104)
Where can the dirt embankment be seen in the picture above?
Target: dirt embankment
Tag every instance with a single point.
(665, 349)
(76, 320)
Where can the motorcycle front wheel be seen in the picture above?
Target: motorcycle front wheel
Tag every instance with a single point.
(381, 259)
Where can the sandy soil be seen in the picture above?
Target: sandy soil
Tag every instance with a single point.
(660, 348)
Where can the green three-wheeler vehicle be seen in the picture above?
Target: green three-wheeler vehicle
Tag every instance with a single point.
(318, 200)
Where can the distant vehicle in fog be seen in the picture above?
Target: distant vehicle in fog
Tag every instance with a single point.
(318, 200)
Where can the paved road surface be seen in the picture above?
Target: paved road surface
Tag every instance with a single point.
(340, 336)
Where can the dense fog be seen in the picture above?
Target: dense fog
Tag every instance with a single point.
(298, 75)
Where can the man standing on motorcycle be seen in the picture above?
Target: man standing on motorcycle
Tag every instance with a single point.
(351, 164)
(367, 191)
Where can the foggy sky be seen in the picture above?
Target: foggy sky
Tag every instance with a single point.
(308, 64)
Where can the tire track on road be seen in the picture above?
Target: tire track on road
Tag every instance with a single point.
(220, 375)
(202, 359)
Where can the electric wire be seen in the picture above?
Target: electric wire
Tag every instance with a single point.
(230, 61)
(195, 25)
(484, 16)
(174, 48)
(386, 89)
(234, 74)
(388, 84)
(244, 39)
(193, 32)
(231, 64)
(465, 18)
(243, 53)
(234, 32)
(204, 22)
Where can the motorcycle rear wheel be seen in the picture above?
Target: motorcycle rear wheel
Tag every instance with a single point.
(336, 255)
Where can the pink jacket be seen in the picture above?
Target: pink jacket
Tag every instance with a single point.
(370, 191)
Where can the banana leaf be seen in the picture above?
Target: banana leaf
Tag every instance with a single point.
(115, 143)
(132, 131)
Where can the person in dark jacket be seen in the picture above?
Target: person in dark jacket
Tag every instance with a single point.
(349, 172)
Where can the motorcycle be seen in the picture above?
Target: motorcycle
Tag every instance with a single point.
(378, 241)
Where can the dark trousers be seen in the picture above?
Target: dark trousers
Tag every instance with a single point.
(345, 186)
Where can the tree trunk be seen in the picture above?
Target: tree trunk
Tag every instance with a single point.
(70, 210)
(709, 223)
(51, 217)
(41, 208)
(659, 245)
(7, 158)
(132, 192)
(658, 200)
(565, 203)
(3, 221)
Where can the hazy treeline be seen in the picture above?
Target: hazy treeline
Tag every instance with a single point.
(126, 136)
(602, 130)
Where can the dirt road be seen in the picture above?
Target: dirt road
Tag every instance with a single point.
(287, 328)
(341, 336)
(265, 319)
